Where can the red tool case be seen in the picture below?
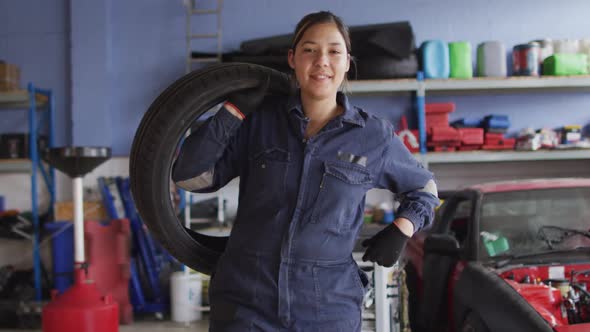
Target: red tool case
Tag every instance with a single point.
(443, 138)
(471, 136)
(437, 114)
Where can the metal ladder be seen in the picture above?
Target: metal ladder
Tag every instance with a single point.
(191, 11)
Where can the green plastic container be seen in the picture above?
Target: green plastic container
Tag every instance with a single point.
(495, 244)
(561, 64)
(460, 58)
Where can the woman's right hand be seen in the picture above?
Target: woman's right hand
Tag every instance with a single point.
(244, 102)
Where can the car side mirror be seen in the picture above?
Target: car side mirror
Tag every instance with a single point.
(442, 244)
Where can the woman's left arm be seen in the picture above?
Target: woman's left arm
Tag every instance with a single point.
(413, 185)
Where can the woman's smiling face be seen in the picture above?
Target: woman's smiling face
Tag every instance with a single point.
(320, 61)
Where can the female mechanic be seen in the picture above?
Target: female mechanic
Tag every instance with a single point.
(305, 163)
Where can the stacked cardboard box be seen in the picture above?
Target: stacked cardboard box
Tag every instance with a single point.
(9, 77)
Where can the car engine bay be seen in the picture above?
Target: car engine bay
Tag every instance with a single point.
(558, 292)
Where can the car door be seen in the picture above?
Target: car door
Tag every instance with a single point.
(448, 243)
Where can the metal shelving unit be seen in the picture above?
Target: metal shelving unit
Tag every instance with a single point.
(501, 156)
(476, 84)
(19, 165)
(377, 317)
(36, 101)
(517, 84)
(20, 99)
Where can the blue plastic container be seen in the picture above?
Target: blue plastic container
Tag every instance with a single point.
(466, 123)
(62, 246)
(496, 121)
(434, 55)
(388, 217)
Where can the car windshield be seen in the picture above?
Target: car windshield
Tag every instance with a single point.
(534, 221)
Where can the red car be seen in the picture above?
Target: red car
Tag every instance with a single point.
(509, 256)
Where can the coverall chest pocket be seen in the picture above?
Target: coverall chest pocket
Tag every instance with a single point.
(267, 176)
(342, 188)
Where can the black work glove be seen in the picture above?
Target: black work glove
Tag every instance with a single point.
(386, 246)
(248, 101)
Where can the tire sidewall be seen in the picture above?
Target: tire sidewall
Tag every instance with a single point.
(473, 323)
(158, 135)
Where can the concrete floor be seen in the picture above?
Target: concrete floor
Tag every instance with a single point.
(153, 326)
(199, 326)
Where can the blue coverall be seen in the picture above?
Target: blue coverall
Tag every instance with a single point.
(288, 263)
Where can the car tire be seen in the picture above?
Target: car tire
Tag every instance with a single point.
(156, 139)
(385, 67)
(473, 323)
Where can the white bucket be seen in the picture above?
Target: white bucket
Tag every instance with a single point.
(185, 297)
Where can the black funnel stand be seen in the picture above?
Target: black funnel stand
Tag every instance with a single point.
(81, 308)
(77, 162)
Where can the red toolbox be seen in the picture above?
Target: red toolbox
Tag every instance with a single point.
(440, 108)
(437, 114)
(444, 135)
(443, 139)
(471, 136)
(443, 148)
(504, 144)
(493, 138)
(470, 147)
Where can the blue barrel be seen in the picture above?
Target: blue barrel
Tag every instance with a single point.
(62, 248)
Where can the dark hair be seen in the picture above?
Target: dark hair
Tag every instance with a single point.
(321, 17)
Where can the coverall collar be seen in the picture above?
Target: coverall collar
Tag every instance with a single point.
(351, 114)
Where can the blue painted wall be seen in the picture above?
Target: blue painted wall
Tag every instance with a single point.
(91, 66)
(148, 53)
(120, 54)
(34, 35)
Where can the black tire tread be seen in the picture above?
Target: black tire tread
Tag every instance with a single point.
(152, 151)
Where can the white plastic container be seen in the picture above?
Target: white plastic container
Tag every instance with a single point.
(546, 46)
(491, 59)
(585, 45)
(185, 297)
(571, 46)
(585, 49)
